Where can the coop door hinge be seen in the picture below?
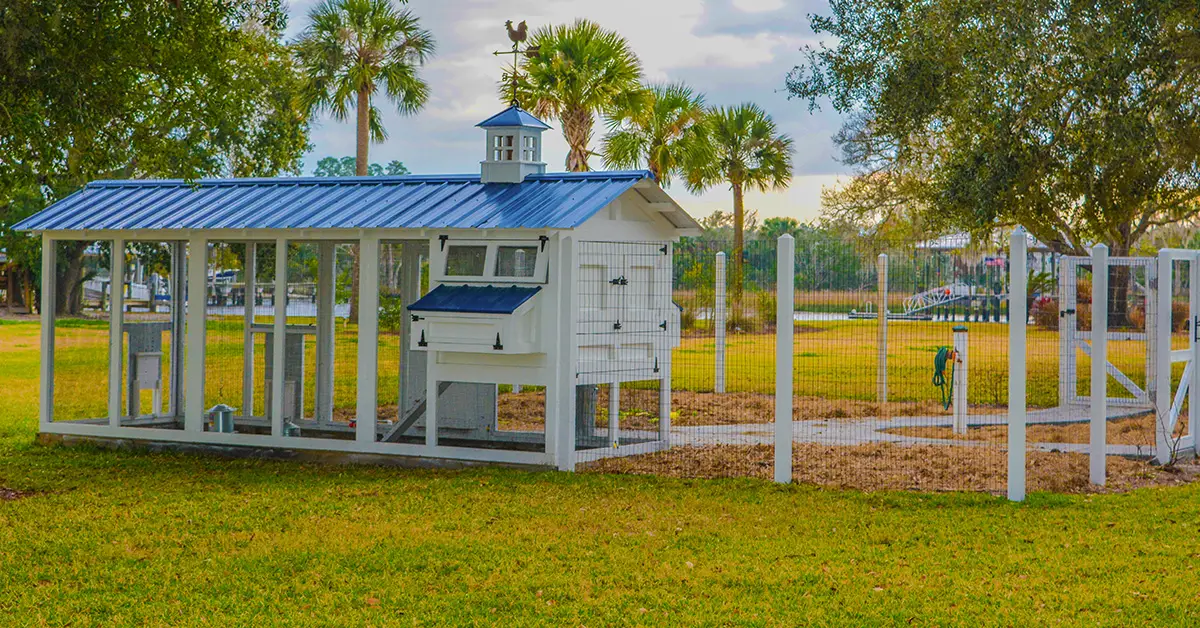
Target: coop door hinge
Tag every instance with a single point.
(663, 325)
(619, 281)
(415, 318)
(498, 346)
(664, 249)
(422, 342)
(655, 365)
(442, 239)
(617, 325)
(544, 240)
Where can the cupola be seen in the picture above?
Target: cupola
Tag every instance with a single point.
(514, 146)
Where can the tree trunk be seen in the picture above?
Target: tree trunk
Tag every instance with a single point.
(577, 130)
(68, 284)
(739, 225)
(360, 169)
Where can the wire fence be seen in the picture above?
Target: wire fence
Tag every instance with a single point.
(916, 398)
(900, 362)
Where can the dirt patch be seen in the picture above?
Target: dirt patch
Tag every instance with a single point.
(1137, 430)
(526, 410)
(886, 466)
(12, 494)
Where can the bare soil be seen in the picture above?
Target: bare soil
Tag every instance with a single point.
(12, 494)
(1137, 430)
(885, 466)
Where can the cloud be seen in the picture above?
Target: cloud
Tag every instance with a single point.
(732, 50)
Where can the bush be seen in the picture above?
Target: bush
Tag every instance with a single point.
(767, 305)
(1179, 315)
(687, 319)
(1045, 313)
(737, 320)
(391, 312)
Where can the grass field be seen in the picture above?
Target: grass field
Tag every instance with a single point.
(91, 537)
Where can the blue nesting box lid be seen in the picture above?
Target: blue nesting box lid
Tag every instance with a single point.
(474, 299)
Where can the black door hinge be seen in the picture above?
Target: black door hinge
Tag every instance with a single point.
(421, 342)
(544, 240)
(663, 325)
(498, 346)
(655, 365)
(617, 325)
(442, 239)
(619, 281)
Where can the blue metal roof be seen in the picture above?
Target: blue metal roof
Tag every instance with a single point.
(514, 116)
(545, 201)
(474, 299)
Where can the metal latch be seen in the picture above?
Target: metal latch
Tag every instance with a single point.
(619, 281)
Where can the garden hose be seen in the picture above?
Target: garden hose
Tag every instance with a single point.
(944, 355)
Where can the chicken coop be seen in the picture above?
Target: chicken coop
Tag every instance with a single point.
(487, 317)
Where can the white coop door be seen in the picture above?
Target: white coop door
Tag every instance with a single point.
(1170, 395)
(624, 296)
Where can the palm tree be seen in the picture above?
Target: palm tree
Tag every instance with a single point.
(746, 151)
(580, 70)
(660, 128)
(352, 49)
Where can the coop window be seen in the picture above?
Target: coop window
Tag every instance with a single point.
(516, 261)
(466, 261)
(504, 261)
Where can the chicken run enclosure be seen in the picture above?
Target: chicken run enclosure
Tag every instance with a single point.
(584, 322)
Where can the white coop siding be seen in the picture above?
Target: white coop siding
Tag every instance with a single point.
(627, 322)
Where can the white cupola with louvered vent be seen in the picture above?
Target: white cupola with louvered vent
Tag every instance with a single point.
(514, 146)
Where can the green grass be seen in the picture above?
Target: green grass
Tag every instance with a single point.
(119, 538)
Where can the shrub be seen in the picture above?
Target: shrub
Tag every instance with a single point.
(391, 312)
(1045, 313)
(687, 319)
(1180, 314)
(767, 303)
(737, 320)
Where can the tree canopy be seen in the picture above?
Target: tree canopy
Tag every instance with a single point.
(1077, 120)
(579, 71)
(353, 49)
(660, 128)
(347, 167)
(112, 89)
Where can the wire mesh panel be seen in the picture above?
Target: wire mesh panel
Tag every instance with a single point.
(83, 301)
(152, 321)
(722, 367)
(226, 361)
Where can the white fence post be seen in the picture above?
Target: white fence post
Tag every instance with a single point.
(881, 377)
(785, 321)
(719, 323)
(46, 312)
(959, 390)
(1018, 318)
(1163, 453)
(1099, 428)
(116, 344)
(366, 405)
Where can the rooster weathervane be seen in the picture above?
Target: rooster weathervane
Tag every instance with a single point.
(517, 36)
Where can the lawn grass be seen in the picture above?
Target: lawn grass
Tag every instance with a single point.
(121, 538)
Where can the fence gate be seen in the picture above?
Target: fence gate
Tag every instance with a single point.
(1170, 396)
(1072, 340)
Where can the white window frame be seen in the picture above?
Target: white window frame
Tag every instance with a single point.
(438, 274)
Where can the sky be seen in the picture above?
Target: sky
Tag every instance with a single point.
(733, 51)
